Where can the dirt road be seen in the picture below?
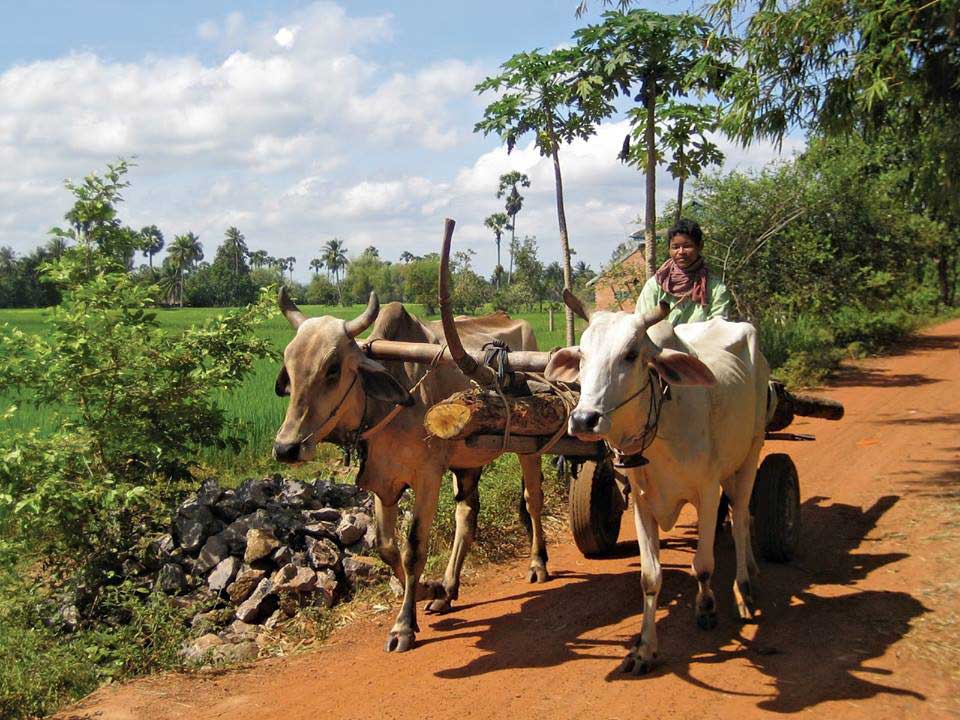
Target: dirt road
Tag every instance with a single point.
(864, 623)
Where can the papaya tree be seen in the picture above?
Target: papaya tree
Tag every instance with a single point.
(663, 62)
(536, 94)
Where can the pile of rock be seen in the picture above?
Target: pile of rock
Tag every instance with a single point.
(262, 551)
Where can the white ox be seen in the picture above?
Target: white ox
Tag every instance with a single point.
(708, 436)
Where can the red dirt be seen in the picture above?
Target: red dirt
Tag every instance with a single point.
(862, 624)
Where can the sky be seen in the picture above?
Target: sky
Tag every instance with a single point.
(298, 122)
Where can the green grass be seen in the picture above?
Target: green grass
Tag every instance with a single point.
(253, 405)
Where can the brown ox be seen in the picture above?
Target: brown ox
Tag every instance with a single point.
(336, 391)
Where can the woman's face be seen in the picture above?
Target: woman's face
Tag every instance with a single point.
(684, 251)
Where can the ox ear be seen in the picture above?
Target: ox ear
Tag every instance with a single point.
(678, 368)
(282, 386)
(564, 365)
(381, 385)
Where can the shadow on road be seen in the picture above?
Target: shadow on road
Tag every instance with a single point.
(816, 637)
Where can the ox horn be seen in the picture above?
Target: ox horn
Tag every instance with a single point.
(365, 319)
(652, 317)
(289, 309)
(467, 364)
(574, 303)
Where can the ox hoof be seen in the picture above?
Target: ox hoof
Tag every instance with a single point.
(430, 590)
(746, 607)
(636, 664)
(707, 613)
(439, 606)
(399, 641)
(707, 620)
(538, 575)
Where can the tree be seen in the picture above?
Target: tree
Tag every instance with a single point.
(653, 58)
(537, 95)
(881, 69)
(93, 221)
(498, 223)
(406, 256)
(236, 246)
(315, 265)
(185, 252)
(513, 205)
(259, 258)
(335, 258)
(153, 241)
(684, 131)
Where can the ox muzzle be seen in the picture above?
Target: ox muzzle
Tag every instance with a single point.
(587, 423)
(287, 452)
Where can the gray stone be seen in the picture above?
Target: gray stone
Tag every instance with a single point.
(260, 544)
(240, 629)
(158, 551)
(351, 528)
(282, 555)
(201, 648)
(336, 495)
(212, 618)
(321, 529)
(322, 553)
(194, 522)
(261, 603)
(246, 651)
(229, 507)
(291, 578)
(328, 587)
(369, 540)
(296, 494)
(278, 616)
(223, 574)
(322, 515)
(171, 579)
(253, 494)
(361, 571)
(213, 552)
(209, 493)
(247, 579)
(68, 618)
(396, 587)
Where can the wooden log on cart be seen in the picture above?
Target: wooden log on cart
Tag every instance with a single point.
(790, 405)
(477, 411)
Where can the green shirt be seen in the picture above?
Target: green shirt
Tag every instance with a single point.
(718, 302)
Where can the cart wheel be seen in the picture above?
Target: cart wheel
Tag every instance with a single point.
(775, 504)
(596, 507)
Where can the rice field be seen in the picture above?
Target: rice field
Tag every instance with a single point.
(253, 405)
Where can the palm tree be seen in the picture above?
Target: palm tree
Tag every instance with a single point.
(498, 222)
(168, 280)
(57, 246)
(237, 245)
(291, 261)
(258, 258)
(315, 265)
(185, 252)
(335, 258)
(153, 241)
(514, 204)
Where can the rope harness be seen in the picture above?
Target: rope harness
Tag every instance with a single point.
(356, 439)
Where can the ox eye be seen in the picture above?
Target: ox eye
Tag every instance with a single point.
(333, 371)
(631, 356)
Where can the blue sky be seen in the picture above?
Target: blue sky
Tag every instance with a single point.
(297, 122)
